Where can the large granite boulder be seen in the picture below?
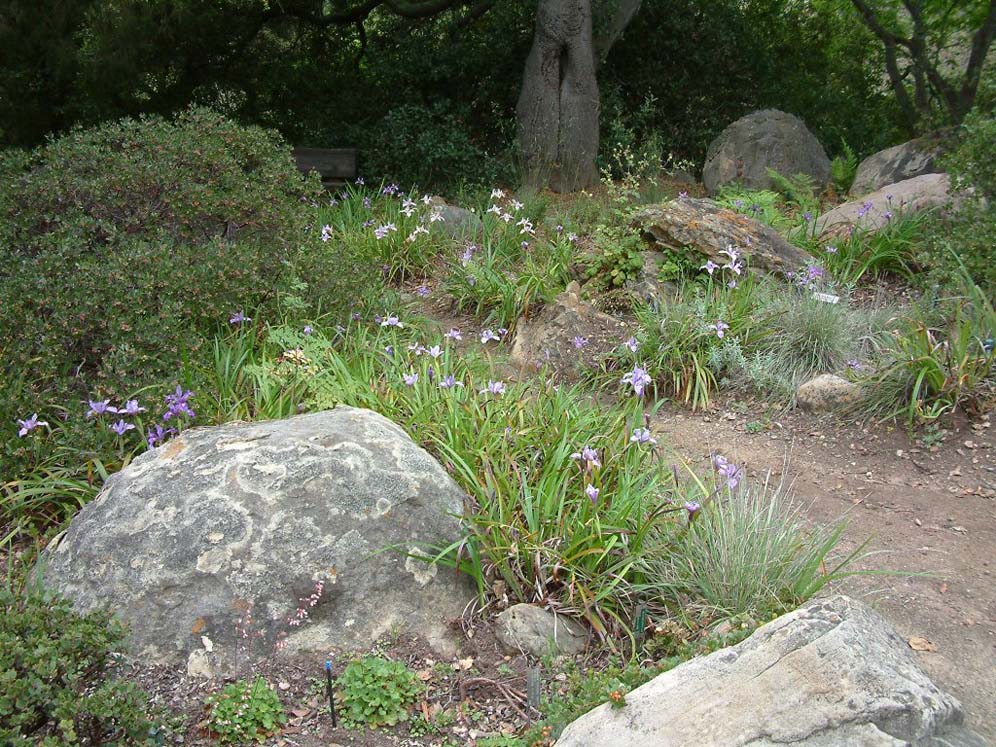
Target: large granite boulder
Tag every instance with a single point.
(767, 139)
(707, 228)
(831, 674)
(567, 333)
(896, 164)
(261, 520)
(874, 211)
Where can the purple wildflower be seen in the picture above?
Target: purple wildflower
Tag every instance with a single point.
(588, 457)
(592, 492)
(98, 408)
(710, 267)
(435, 351)
(449, 382)
(239, 317)
(488, 335)
(326, 233)
(579, 342)
(392, 321)
(638, 378)
(494, 387)
(692, 507)
(454, 334)
(719, 328)
(423, 290)
(158, 434)
(831, 249)
(30, 424)
(807, 216)
(864, 209)
(355, 316)
(410, 379)
(389, 350)
(307, 329)
(121, 427)
(131, 408)
(682, 194)
(729, 470)
(642, 436)
(632, 344)
(854, 365)
(177, 404)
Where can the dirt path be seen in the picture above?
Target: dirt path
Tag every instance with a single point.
(924, 508)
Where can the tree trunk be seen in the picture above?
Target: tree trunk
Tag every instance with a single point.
(558, 107)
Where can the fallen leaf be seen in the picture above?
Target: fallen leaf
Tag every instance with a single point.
(919, 643)
(301, 712)
(199, 625)
(424, 674)
(944, 587)
(465, 663)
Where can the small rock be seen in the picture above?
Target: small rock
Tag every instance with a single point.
(537, 632)
(826, 392)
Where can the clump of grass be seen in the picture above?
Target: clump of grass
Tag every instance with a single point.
(929, 371)
(801, 337)
(748, 552)
(677, 341)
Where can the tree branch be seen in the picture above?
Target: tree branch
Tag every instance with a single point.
(623, 13)
(420, 8)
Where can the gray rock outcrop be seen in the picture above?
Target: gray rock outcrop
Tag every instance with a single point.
(896, 164)
(874, 211)
(708, 229)
(765, 139)
(548, 340)
(537, 632)
(831, 674)
(252, 517)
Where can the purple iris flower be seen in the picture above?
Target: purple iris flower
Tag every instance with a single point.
(121, 427)
(30, 424)
(579, 342)
(410, 379)
(592, 492)
(638, 378)
(131, 408)
(98, 408)
(642, 436)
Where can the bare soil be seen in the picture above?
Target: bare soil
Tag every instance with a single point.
(927, 511)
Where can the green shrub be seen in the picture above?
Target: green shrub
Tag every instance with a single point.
(245, 712)
(433, 147)
(377, 691)
(122, 245)
(969, 233)
(124, 248)
(54, 684)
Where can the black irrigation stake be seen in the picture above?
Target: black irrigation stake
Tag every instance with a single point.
(328, 677)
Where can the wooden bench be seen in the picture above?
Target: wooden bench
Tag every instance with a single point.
(334, 165)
